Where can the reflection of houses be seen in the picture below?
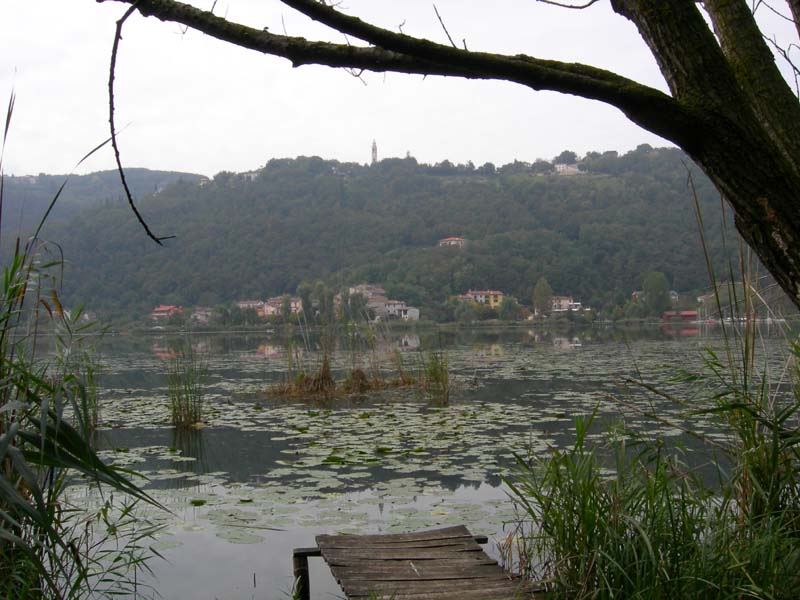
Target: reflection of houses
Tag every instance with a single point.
(455, 242)
(680, 316)
(163, 353)
(270, 351)
(491, 298)
(409, 341)
(164, 312)
(565, 304)
(566, 343)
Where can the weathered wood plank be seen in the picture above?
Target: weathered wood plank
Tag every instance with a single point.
(410, 571)
(397, 554)
(431, 534)
(467, 558)
(342, 542)
(520, 594)
(411, 587)
(443, 564)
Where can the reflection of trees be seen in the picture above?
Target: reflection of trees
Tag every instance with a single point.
(190, 443)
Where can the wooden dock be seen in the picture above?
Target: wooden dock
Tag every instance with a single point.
(441, 564)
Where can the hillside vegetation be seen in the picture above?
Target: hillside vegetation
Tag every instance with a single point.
(592, 235)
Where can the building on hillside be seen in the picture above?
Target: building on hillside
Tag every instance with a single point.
(274, 306)
(408, 313)
(201, 315)
(397, 309)
(163, 312)
(491, 298)
(451, 242)
(565, 304)
(250, 304)
(562, 169)
(381, 306)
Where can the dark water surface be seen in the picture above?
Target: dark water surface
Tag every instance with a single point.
(267, 473)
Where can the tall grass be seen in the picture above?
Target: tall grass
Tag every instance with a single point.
(48, 548)
(186, 374)
(435, 377)
(647, 525)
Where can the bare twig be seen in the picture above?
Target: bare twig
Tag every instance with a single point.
(112, 70)
(441, 22)
(784, 52)
(564, 5)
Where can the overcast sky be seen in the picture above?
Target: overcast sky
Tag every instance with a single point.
(192, 103)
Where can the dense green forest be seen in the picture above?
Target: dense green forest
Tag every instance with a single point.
(25, 199)
(593, 235)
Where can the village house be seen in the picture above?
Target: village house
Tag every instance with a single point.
(201, 315)
(163, 312)
(562, 169)
(250, 304)
(491, 298)
(274, 306)
(565, 304)
(381, 306)
(456, 242)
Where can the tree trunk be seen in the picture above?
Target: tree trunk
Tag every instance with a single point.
(747, 148)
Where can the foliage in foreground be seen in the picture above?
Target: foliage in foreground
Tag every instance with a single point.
(50, 548)
(651, 527)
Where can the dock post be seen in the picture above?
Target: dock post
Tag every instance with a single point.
(302, 583)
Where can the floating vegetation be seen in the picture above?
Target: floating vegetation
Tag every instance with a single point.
(379, 460)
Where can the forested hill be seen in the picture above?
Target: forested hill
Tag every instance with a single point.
(593, 235)
(26, 198)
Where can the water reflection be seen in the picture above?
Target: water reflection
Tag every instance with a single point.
(190, 444)
(270, 472)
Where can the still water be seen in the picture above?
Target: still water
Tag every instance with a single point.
(267, 473)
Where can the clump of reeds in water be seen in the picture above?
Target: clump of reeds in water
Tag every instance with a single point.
(436, 376)
(322, 384)
(186, 387)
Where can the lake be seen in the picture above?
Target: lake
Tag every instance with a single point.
(267, 473)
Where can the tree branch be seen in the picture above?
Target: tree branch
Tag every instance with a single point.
(587, 4)
(447, 33)
(754, 67)
(390, 51)
(111, 124)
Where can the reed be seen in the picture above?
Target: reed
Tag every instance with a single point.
(646, 525)
(186, 375)
(48, 547)
(435, 376)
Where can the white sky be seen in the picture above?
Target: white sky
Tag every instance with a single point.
(192, 103)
